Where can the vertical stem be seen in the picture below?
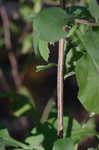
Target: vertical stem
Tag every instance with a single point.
(60, 82)
(60, 88)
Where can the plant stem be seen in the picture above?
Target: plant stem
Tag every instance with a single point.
(60, 82)
(60, 88)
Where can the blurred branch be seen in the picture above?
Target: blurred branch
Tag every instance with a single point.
(82, 21)
(8, 45)
(3, 82)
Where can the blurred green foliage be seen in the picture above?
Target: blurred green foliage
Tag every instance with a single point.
(81, 59)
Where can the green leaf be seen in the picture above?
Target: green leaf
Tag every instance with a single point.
(92, 149)
(26, 44)
(72, 31)
(88, 80)
(80, 132)
(68, 75)
(40, 148)
(9, 141)
(94, 9)
(90, 41)
(45, 67)
(50, 24)
(35, 141)
(36, 43)
(18, 149)
(64, 144)
(31, 17)
(2, 144)
(43, 49)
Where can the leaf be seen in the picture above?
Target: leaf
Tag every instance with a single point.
(72, 31)
(35, 43)
(94, 9)
(2, 144)
(68, 75)
(43, 49)
(50, 24)
(40, 148)
(92, 149)
(31, 17)
(64, 144)
(35, 141)
(9, 141)
(90, 41)
(26, 44)
(45, 67)
(88, 80)
(80, 132)
(18, 149)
